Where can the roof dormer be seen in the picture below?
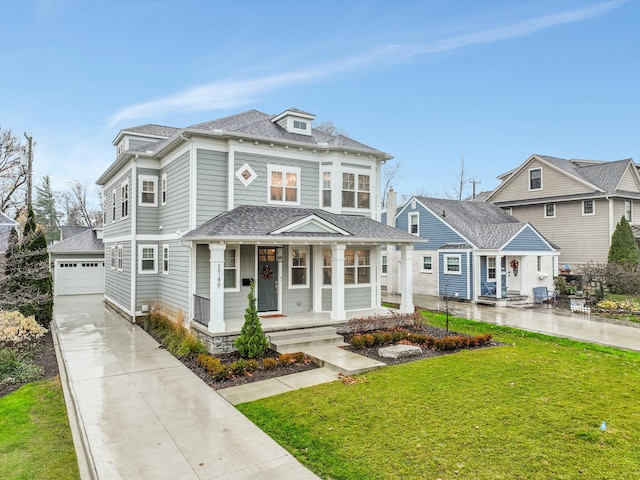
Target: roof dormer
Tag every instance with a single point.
(295, 121)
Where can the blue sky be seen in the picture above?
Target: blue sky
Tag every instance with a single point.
(430, 82)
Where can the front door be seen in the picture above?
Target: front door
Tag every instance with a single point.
(514, 274)
(267, 279)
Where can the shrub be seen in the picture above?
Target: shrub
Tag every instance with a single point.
(253, 365)
(286, 359)
(16, 328)
(252, 342)
(239, 367)
(269, 363)
(369, 340)
(214, 366)
(14, 369)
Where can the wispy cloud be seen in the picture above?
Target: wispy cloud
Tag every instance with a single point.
(230, 93)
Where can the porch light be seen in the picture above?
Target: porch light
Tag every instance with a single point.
(279, 254)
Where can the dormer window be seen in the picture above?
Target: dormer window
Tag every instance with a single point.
(295, 121)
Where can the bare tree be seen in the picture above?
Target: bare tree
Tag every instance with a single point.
(390, 172)
(456, 190)
(12, 176)
(75, 204)
(331, 128)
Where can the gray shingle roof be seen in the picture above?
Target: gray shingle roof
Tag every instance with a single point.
(85, 242)
(153, 129)
(484, 224)
(249, 221)
(68, 231)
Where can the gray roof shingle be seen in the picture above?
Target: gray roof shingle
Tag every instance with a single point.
(484, 224)
(248, 221)
(85, 242)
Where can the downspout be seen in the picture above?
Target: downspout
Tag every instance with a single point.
(610, 218)
(134, 235)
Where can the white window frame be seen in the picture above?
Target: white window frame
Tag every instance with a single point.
(165, 259)
(531, 170)
(284, 170)
(430, 269)
(593, 207)
(113, 205)
(163, 189)
(490, 268)
(356, 266)
(356, 191)
(141, 251)
(301, 267)
(546, 215)
(141, 180)
(326, 268)
(415, 215)
(250, 178)
(384, 265)
(120, 263)
(113, 263)
(446, 265)
(539, 263)
(236, 269)
(326, 187)
(124, 202)
(628, 214)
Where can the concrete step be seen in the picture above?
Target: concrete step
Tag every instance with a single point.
(289, 341)
(340, 360)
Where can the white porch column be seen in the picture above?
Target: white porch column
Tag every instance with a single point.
(216, 287)
(499, 276)
(318, 264)
(406, 267)
(337, 282)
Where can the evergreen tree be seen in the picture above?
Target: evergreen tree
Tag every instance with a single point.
(45, 208)
(624, 249)
(252, 342)
(27, 286)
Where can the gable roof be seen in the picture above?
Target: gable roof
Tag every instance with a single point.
(601, 176)
(68, 231)
(270, 223)
(84, 242)
(485, 225)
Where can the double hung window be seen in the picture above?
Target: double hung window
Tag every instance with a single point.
(356, 190)
(284, 185)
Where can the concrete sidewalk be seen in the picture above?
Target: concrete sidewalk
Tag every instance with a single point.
(141, 414)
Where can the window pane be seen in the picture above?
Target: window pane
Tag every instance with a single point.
(326, 198)
(535, 179)
(348, 181)
(299, 257)
(326, 180)
(349, 275)
(291, 194)
(363, 183)
(348, 199)
(276, 193)
(426, 263)
(292, 180)
(229, 258)
(349, 257)
(299, 276)
(363, 274)
(276, 178)
(363, 200)
(229, 278)
(363, 257)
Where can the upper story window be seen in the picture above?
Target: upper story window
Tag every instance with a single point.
(549, 210)
(491, 268)
(120, 263)
(385, 259)
(124, 199)
(413, 223)
(163, 189)
(326, 189)
(628, 210)
(355, 190)
(113, 206)
(535, 179)
(452, 264)
(300, 124)
(588, 207)
(284, 184)
(148, 186)
(299, 267)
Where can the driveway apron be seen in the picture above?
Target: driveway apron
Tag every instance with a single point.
(141, 414)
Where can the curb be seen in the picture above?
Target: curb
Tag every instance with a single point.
(86, 464)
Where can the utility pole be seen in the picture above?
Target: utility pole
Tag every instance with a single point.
(27, 164)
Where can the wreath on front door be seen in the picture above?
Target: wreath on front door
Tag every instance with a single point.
(267, 273)
(514, 265)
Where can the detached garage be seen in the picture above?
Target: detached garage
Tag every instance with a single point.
(77, 264)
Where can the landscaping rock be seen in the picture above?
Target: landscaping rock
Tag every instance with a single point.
(399, 351)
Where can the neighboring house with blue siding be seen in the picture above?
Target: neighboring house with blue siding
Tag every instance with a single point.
(469, 250)
(193, 214)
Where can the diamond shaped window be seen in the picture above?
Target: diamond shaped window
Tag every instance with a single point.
(246, 175)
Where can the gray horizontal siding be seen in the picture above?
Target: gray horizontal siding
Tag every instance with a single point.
(211, 184)
(175, 214)
(357, 298)
(174, 286)
(147, 219)
(120, 227)
(118, 284)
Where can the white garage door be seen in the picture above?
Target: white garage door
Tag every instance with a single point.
(75, 277)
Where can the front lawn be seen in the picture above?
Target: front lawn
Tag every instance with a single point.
(533, 409)
(35, 438)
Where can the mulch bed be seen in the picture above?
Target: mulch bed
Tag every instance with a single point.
(278, 371)
(45, 355)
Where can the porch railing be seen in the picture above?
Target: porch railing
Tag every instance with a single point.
(201, 309)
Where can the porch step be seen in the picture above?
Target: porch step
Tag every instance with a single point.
(323, 345)
(290, 341)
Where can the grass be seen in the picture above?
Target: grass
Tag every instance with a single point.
(529, 410)
(35, 437)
